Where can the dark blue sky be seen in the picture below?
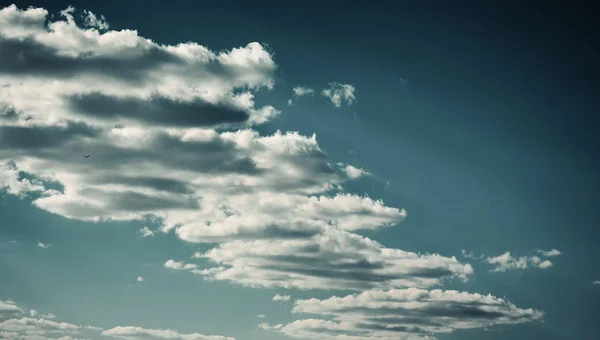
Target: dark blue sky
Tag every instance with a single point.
(481, 115)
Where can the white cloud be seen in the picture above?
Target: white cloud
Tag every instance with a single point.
(91, 20)
(278, 297)
(549, 253)
(303, 91)
(14, 325)
(596, 283)
(145, 231)
(339, 94)
(401, 314)
(132, 333)
(43, 245)
(49, 316)
(260, 316)
(507, 261)
(353, 172)
(140, 279)
(290, 102)
(273, 204)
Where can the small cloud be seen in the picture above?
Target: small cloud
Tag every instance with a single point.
(92, 21)
(596, 283)
(340, 93)
(49, 316)
(33, 313)
(140, 279)
(353, 172)
(403, 81)
(290, 102)
(260, 316)
(281, 297)
(303, 91)
(549, 253)
(145, 231)
(353, 153)
(43, 246)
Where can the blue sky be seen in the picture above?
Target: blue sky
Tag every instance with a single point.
(449, 192)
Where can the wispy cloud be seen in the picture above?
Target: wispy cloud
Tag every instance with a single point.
(281, 297)
(339, 94)
(43, 245)
(303, 91)
(146, 232)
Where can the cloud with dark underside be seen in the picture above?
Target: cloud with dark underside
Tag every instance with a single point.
(401, 314)
(170, 131)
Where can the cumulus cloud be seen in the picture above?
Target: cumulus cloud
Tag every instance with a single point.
(171, 132)
(140, 279)
(145, 231)
(132, 333)
(278, 297)
(353, 172)
(401, 314)
(339, 94)
(14, 325)
(507, 261)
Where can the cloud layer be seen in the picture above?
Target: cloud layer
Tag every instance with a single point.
(170, 132)
(400, 314)
(15, 325)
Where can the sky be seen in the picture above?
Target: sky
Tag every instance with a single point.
(308, 170)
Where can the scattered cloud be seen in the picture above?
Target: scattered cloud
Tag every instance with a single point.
(43, 245)
(171, 131)
(290, 102)
(133, 333)
(145, 231)
(278, 297)
(507, 261)
(15, 325)
(339, 94)
(303, 91)
(401, 314)
(140, 279)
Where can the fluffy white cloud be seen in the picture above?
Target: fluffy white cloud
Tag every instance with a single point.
(401, 314)
(278, 297)
(14, 325)
(132, 333)
(353, 172)
(145, 231)
(507, 261)
(339, 94)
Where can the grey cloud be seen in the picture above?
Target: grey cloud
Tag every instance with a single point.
(381, 314)
(42, 137)
(27, 57)
(156, 110)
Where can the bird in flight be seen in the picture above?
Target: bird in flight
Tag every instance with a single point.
(86, 156)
